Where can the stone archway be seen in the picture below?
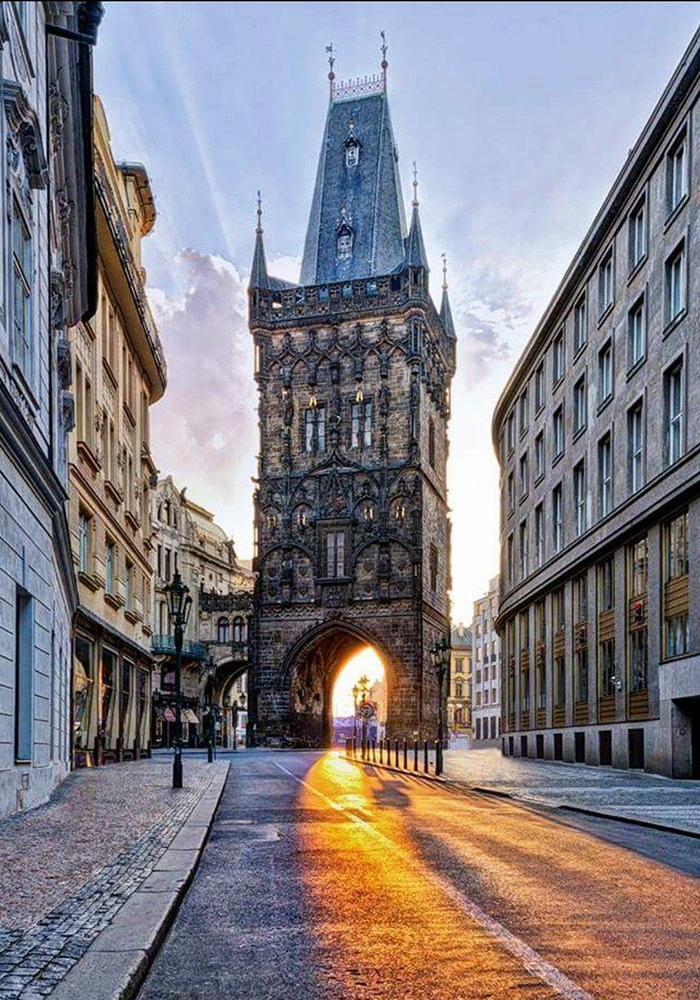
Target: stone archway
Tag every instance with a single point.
(310, 670)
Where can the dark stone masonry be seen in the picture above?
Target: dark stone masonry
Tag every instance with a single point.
(353, 369)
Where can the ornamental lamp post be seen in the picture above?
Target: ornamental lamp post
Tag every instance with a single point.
(355, 699)
(179, 607)
(440, 659)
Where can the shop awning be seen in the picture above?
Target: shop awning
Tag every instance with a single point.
(168, 715)
(190, 716)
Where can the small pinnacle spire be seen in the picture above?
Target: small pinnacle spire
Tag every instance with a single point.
(444, 272)
(258, 272)
(415, 183)
(385, 64)
(331, 64)
(259, 228)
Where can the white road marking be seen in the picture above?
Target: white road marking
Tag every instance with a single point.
(532, 960)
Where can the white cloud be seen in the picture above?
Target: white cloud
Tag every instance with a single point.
(204, 430)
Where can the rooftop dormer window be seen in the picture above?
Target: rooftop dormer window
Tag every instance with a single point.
(352, 153)
(345, 240)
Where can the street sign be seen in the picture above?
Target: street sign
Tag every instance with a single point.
(366, 709)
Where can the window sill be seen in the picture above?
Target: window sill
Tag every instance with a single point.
(637, 268)
(580, 352)
(603, 405)
(113, 491)
(25, 387)
(605, 313)
(675, 212)
(114, 601)
(539, 478)
(635, 367)
(557, 383)
(673, 323)
(557, 458)
(579, 433)
(88, 580)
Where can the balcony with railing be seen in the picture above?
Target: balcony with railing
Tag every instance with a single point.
(164, 645)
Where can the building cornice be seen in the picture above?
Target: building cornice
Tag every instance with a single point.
(641, 154)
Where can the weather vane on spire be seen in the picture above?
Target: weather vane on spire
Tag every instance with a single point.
(415, 183)
(444, 272)
(259, 228)
(331, 64)
(385, 49)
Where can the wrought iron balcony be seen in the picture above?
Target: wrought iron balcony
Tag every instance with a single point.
(164, 645)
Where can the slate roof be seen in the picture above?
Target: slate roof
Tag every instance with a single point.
(366, 196)
(415, 248)
(446, 314)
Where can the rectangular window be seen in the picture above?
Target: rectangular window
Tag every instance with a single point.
(637, 234)
(558, 431)
(560, 682)
(24, 675)
(605, 283)
(580, 408)
(580, 332)
(356, 415)
(581, 670)
(673, 400)
(636, 333)
(675, 284)
(524, 551)
(361, 424)
(557, 518)
(605, 475)
(639, 658)
(523, 412)
(539, 387)
(638, 567)
(83, 543)
(511, 493)
(315, 429)
(606, 657)
(539, 455)
(605, 372)
(539, 534)
(433, 568)
(510, 432)
(606, 585)
(335, 554)
(580, 497)
(558, 358)
(635, 439)
(367, 428)
(128, 585)
(110, 558)
(22, 294)
(509, 559)
(431, 443)
(677, 173)
(524, 474)
(677, 547)
(581, 599)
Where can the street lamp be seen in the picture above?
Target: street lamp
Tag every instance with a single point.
(355, 699)
(440, 659)
(179, 607)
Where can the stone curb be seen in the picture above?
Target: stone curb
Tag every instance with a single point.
(117, 962)
(458, 785)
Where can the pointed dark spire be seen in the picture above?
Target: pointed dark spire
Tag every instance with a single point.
(445, 311)
(258, 272)
(415, 248)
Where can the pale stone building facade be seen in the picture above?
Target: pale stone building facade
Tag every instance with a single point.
(215, 652)
(486, 670)
(459, 697)
(598, 434)
(119, 371)
(46, 284)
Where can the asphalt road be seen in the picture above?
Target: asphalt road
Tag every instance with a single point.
(327, 880)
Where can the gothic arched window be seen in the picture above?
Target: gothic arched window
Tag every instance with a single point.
(222, 628)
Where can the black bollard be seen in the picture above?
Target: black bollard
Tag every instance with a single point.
(426, 760)
(415, 755)
(405, 755)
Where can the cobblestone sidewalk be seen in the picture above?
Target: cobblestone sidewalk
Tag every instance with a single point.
(67, 867)
(627, 794)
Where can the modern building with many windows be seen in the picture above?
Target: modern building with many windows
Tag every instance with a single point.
(598, 436)
(486, 670)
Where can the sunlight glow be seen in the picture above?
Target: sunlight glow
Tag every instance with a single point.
(365, 662)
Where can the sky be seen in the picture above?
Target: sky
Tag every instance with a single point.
(519, 117)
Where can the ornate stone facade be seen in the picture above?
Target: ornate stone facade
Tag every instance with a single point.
(353, 369)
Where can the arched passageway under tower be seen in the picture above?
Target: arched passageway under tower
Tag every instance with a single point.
(313, 666)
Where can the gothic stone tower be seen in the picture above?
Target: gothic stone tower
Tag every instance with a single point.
(353, 367)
